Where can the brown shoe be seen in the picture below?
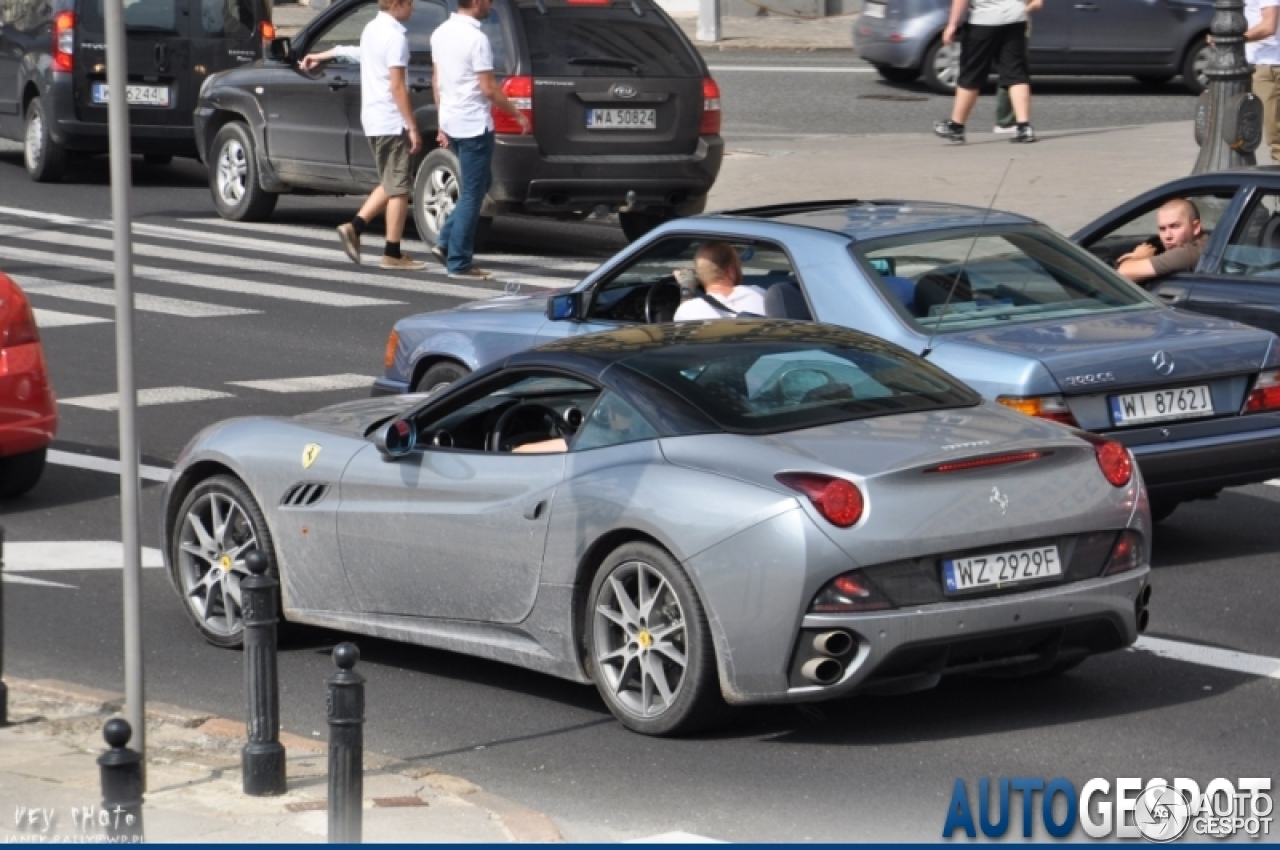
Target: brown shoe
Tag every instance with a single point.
(473, 273)
(350, 241)
(402, 263)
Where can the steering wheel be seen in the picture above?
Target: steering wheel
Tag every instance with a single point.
(648, 296)
(523, 409)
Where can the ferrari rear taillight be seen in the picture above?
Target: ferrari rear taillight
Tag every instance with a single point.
(17, 322)
(1113, 458)
(1051, 407)
(64, 41)
(1266, 393)
(839, 501)
(519, 90)
(850, 593)
(990, 460)
(710, 108)
(1126, 554)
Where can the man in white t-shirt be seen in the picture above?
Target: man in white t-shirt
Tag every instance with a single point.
(718, 269)
(1262, 50)
(387, 116)
(465, 89)
(995, 35)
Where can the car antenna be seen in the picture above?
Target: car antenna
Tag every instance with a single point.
(955, 281)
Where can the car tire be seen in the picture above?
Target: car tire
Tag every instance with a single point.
(891, 74)
(656, 685)
(19, 473)
(45, 159)
(941, 67)
(1194, 64)
(199, 557)
(637, 224)
(157, 158)
(233, 176)
(435, 194)
(440, 375)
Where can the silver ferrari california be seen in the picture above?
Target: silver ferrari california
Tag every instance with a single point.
(689, 516)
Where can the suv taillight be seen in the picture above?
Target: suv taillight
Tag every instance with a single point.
(519, 90)
(710, 108)
(64, 41)
(268, 30)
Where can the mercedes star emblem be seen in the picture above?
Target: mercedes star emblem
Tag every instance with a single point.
(1163, 363)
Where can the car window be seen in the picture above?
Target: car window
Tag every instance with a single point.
(622, 296)
(495, 29)
(163, 16)
(1254, 249)
(952, 283)
(227, 18)
(779, 385)
(612, 422)
(427, 15)
(575, 41)
(345, 31)
(1141, 226)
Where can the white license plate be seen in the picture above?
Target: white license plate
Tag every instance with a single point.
(873, 10)
(622, 119)
(1162, 405)
(135, 95)
(999, 570)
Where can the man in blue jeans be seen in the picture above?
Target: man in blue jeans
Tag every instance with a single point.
(465, 88)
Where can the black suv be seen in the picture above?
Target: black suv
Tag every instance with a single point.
(625, 115)
(53, 75)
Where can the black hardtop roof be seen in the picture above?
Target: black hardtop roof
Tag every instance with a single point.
(866, 219)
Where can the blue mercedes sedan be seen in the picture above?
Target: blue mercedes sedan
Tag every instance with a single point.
(1001, 301)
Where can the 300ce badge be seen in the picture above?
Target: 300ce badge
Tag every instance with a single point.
(1087, 380)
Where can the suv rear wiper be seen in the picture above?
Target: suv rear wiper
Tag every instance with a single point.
(606, 63)
(149, 28)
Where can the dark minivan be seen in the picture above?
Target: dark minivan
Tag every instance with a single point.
(53, 75)
(625, 116)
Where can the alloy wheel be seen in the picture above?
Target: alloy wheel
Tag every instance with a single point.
(215, 534)
(640, 639)
(233, 170)
(946, 65)
(441, 197)
(34, 148)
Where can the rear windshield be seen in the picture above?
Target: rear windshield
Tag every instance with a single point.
(768, 387)
(958, 282)
(605, 42)
(161, 16)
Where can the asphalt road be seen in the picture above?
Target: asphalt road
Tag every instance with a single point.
(874, 768)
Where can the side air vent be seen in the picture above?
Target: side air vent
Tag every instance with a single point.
(303, 495)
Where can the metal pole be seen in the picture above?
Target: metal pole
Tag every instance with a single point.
(262, 761)
(4, 689)
(130, 487)
(346, 747)
(1228, 116)
(708, 20)
(120, 769)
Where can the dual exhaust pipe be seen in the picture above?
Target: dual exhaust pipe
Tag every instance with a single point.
(1140, 608)
(826, 668)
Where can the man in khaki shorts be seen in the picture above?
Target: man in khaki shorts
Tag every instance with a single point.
(387, 117)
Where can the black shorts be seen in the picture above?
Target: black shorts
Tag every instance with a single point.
(1003, 46)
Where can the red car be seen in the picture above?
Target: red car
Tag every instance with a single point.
(28, 410)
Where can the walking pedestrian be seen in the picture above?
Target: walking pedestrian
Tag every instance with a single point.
(387, 117)
(995, 35)
(1262, 51)
(1006, 121)
(464, 85)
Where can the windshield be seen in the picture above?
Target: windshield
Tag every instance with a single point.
(773, 386)
(593, 42)
(956, 282)
(144, 15)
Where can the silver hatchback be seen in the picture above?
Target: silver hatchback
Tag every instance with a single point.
(1152, 40)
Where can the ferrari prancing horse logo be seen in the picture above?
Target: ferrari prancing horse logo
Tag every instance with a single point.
(309, 455)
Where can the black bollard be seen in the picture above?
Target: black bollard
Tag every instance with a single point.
(121, 770)
(346, 747)
(262, 761)
(4, 689)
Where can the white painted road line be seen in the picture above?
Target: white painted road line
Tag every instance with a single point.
(1274, 482)
(146, 398)
(675, 838)
(14, 578)
(147, 303)
(1209, 656)
(46, 319)
(102, 464)
(311, 384)
(202, 281)
(56, 555)
(790, 69)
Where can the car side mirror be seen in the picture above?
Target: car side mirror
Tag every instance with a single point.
(565, 307)
(396, 439)
(280, 50)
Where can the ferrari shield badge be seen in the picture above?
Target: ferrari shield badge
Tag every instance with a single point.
(309, 455)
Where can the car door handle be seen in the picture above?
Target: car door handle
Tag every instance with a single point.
(535, 510)
(337, 83)
(1086, 7)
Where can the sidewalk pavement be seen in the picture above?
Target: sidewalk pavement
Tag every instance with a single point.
(49, 780)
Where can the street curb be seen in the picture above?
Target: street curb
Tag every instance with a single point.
(520, 822)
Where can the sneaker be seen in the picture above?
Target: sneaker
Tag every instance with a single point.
(350, 241)
(440, 254)
(1005, 129)
(472, 273)
(402, 263)
(949, 130)
(1024, 135)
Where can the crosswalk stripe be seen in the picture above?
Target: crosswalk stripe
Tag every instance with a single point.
(310, 384)
(142, 301)
(146, 398)
(44, 556)
(102, 464)
(203, 281)
(46, 319)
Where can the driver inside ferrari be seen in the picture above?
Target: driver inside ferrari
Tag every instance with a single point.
(610, 422)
